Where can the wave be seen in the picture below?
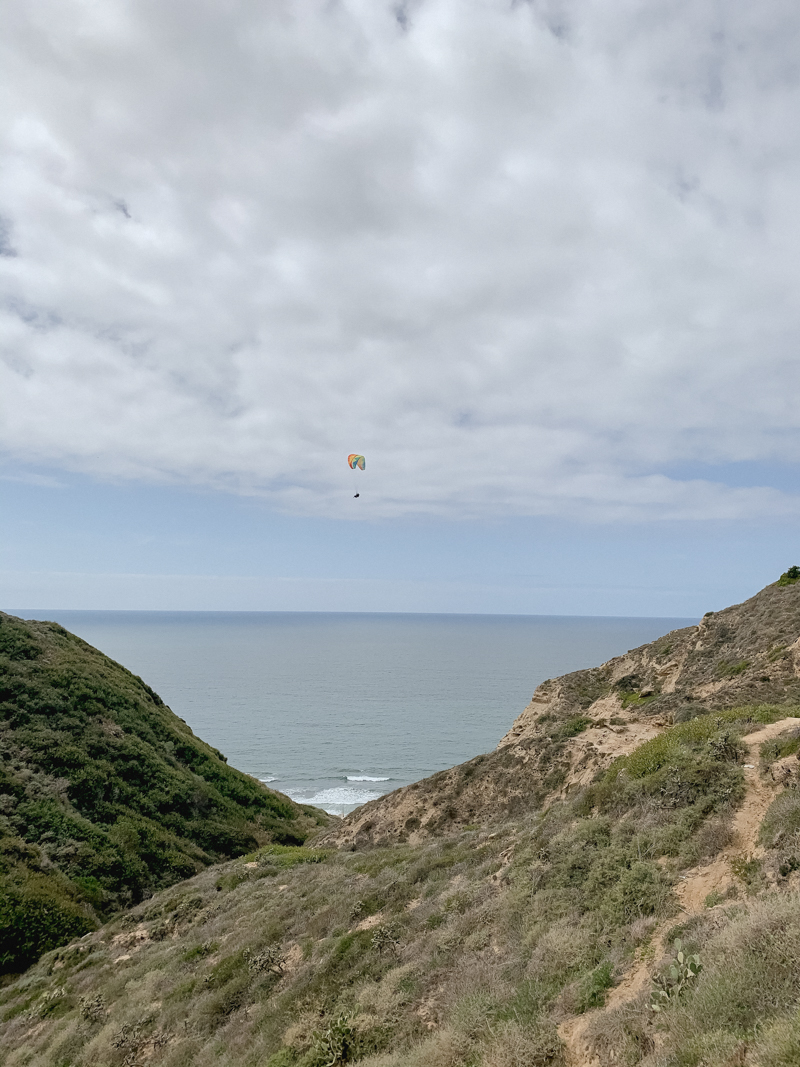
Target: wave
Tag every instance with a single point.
(338, 800)
(267, 779)
(365, 778)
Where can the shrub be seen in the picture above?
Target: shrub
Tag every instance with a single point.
(270, 960)
(571, 728)
(779, 1044)
(750, 977)
(93, 1009)
(284, 1057)
(780, 747)
(747, 870)
(386, 937)
(592, 990)
(528, 1046)
(641, 890)
(284, 857)
(782, 819)
(726, 669)
(37, 913)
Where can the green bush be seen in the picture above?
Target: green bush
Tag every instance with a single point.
(789, 577)
(662, 749)
(641, 890)
(283, 857)
(781, 820)
(593, 989)
(779, 1044)
(571, 727)
(37, 913)
(284, 1057)
(779, 748)
(335, 1043)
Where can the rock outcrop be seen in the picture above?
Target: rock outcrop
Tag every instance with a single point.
(577, 724)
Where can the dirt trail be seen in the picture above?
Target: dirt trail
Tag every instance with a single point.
(692, 891)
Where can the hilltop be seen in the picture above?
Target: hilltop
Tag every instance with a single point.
(105, 795)
(641, 908)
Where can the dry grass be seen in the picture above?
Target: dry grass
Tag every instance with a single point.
(495, 933)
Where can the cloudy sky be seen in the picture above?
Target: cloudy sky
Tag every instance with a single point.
(537, 261)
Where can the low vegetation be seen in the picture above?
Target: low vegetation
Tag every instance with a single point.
(790, 577)
(463, 950)
(105, 795)
(510, 912)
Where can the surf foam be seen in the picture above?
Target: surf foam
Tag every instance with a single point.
(338, 800)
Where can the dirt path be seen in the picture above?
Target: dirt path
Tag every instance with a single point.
(692, 891)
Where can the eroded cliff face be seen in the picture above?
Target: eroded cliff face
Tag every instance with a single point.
(576, 725)
(745, 654)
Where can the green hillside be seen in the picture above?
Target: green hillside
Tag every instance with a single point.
(105, 794)
(541, 941)
(623, 891)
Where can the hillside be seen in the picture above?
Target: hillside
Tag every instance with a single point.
(105, 794)
(643, 911)
(748, 654)
(529, 943)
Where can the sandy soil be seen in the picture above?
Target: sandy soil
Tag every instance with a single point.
(598, 746)
(371, 921)
(692, 892)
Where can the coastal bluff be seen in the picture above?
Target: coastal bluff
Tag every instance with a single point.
(617, 885)
(577, 724)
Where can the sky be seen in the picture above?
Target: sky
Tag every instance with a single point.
(537, 261)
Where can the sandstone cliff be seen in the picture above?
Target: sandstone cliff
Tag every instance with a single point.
(577, 724)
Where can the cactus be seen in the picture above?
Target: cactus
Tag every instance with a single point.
(385, 937)
(93, 1009)
(682, 971)
(336, 1043)
(724, 747)
(270, 959)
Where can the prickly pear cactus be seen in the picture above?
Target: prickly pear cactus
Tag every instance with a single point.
(681, 973)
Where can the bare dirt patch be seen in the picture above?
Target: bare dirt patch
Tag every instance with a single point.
(132, 939)
(598, 746)
(371, 921)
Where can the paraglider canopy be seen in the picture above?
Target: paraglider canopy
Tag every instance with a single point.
(356, 461)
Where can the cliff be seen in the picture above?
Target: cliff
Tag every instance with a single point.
(577, 724)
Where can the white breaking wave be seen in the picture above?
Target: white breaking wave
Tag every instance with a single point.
(365, 778)
(267, 779)
(336, 801)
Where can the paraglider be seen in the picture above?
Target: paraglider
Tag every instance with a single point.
(356, 462)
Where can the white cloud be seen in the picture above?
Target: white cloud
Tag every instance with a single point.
(525, 256)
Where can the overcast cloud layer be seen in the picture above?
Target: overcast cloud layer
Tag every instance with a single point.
(526, 257)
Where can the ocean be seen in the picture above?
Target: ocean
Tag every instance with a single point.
(336, 709)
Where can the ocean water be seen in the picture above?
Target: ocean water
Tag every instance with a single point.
(336, 709)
